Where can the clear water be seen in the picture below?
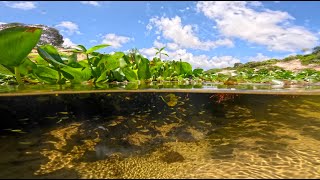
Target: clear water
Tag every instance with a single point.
(160, 135)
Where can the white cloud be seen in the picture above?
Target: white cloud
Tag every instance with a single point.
(259, 57)
(2, 23)
(21, 5)
(115, 41)
(197, 61)
(267, 27)
(93, 3)
(67, 43)
(158, 44)
(255, 3)
(69, 27)
(93, 41)
(172, 46)
(183, 36)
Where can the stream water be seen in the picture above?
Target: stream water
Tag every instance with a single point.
(164, 133)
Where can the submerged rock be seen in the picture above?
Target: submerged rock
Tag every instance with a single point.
(172, 156)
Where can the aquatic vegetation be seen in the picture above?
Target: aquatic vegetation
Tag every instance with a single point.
(50, 66)
(16, 43)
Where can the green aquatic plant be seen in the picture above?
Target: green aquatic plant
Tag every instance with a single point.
(15, 45)
(160, 52)
(90, 51)
(48, 65)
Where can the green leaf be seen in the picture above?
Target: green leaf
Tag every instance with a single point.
(130, 74)
(78, 74)
(94, 48)
(46, 74)
(16, 43)
(168, 72)
(102, 77)
(143, 69)
(82, 48)
(118, 74)
(186, 68)
(5, 71)
(111, 61)
(27, 66)
(122, 62)
(53, 52)
(197, 72)
(46, 56)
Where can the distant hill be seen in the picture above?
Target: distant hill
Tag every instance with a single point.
(293, 63)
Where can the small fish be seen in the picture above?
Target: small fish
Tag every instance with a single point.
(63, 113)
(51, 117)
(16, 130)
(173, 112)
(113, 124)
(144, 130)
(24, 119)
(25, 143)
(101, 127)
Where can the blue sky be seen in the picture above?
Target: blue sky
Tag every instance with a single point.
(206, 34)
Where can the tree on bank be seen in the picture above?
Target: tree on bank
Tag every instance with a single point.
(49, 35)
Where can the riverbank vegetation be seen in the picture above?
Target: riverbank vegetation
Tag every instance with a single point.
(48, 65)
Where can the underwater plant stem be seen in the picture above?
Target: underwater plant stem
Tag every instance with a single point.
(18, 77)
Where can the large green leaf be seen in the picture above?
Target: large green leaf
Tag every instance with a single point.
(143, 69)
(130, 74)
(94, 48)
(16, 43)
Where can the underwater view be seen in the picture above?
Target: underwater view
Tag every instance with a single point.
(190, 89)
(160, 135)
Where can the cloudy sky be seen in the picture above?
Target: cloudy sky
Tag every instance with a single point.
(206, 34)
